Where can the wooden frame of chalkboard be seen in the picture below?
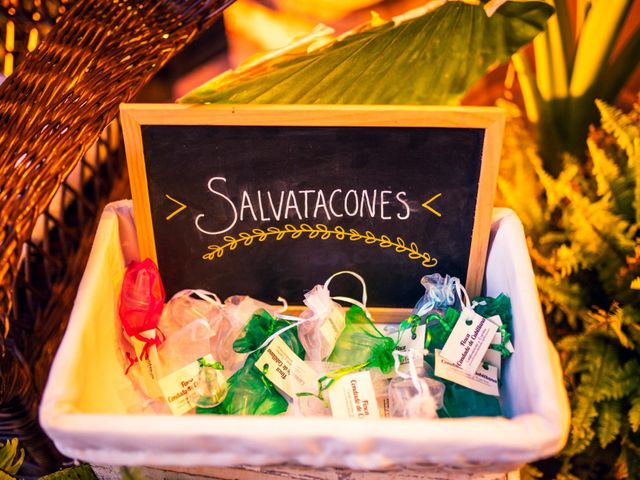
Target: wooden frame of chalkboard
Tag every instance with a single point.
(452, 151)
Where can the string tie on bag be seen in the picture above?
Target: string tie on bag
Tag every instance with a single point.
(448, 292)
(156, 341)
(132, 362)
(361, 304)
(297, 321)
(149, 342)
(413, 371)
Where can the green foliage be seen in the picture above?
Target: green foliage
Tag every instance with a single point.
(11, 457)
(576, 62)
(430, 58)
(81, 472)
(584, 237)
(529, 472)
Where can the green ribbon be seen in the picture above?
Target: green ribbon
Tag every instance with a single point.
(505, 337)
(446, 323)
(204, 364)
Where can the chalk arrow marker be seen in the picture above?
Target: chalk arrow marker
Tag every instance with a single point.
(430, 208)
(182, 206)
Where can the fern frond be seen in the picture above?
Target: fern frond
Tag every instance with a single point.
(583, 414)
(566, 296)
(529, 472)
(620, 126)
(609, 322)
(634, 412)
(609, 422)
(567, 260)
(11, 457)
(605, 170)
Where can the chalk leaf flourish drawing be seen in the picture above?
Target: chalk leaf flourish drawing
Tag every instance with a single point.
(324, 233)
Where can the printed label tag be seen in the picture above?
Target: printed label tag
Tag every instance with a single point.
(286, 370)
(353, 396)
(497, 338)
(483, 381)
(333, 326)
(179, 387)
(493, 357)
(148, 364)
(407, 342)
(469, 341)
(385, 411)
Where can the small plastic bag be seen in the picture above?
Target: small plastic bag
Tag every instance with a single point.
(440, 293)
(362, 345)
(261, 328)
(500, 306)
(324, 322)
(461, 401)
(238, 310)
(307, 405)
(212, 388)
(187, 306)
(185, 346)
(250, 392)
(414, 393)
(140, 307)
(419, 398)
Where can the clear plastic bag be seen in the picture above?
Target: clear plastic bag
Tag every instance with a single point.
(324, 322)
(415, 398)
(440, 293)
(185, 346)
(308, 405)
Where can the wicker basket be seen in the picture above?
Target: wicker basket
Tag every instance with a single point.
(60, 161)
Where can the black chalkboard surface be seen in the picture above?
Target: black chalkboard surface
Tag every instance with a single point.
(270, 201)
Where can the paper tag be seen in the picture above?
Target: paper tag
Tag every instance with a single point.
(353, 396)
(469, 341)
(484, 380)
(407, 342)
(385, 407)
(333, 326)
(179, 387)
(148, 363)
(286, 370)
(493, 357)
(497, 338)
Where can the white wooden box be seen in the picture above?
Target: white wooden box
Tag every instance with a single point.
(82, 412)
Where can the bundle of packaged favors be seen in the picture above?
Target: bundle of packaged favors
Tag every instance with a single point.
(197, 354)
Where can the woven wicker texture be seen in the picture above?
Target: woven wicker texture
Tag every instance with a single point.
(52, 110)
(23, 23)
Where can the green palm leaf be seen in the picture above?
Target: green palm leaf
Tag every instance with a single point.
(429, 59)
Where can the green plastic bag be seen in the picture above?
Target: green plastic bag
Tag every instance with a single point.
(261, 326)
(362, 345)
(461, 401)
(250, 392)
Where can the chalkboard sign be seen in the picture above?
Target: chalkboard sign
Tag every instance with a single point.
(269, 201)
